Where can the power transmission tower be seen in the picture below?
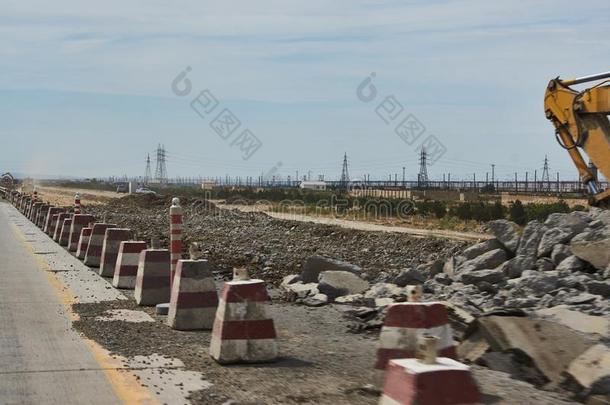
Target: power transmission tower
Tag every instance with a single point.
(422, 176)
(344, 172)
(161, 170)
(148, 174)
(545, 173)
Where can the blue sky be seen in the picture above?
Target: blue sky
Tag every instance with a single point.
(86, 88)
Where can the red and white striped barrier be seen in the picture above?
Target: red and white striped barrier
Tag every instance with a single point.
(243, 332)
(79, 221)
(48, 227)
(175, 234)
(447, 382)
(77, 209)
(93, 255)
(194, 299)
(405, 323)
(64, 235)
(110, 249)
(83, 242)
(152, 280)
(126, 268)
(57, 223)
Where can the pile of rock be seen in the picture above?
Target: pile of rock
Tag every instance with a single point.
(561, 261)
(531, 302)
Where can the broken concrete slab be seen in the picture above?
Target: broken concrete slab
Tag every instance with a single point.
(576, 320)
(545, 342)
(592, 369)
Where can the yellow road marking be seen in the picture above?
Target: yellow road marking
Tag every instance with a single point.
(124, 383)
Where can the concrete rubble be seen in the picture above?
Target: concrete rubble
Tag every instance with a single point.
(531, 302)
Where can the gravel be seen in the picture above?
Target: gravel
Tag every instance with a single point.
(272, 248)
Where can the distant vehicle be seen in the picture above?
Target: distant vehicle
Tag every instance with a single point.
(144, 190)
(122, 188)
(313, 185)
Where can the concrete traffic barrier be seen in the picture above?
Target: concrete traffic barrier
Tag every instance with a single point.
(83, 242)
(26, 206)
(33, 211)
(152, 280)
(42, 214)
(428, 380)
(77, 204)
(93, 255)
(48, 227)
(243, 332)
(405, 323)
(36, 214)
(79, 221)
(110, 249)
(126, 268)
(194, 300)
(64, 235)
(56, 223)
(175, 234)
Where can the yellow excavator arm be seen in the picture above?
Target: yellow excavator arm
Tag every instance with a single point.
(581, 123)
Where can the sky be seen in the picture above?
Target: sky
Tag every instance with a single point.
(89, 89)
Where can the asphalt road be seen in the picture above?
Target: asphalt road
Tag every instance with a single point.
(42, 360)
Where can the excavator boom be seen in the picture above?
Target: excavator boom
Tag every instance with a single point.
(581, 124)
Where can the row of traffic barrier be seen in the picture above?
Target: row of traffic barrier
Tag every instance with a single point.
(413, 333)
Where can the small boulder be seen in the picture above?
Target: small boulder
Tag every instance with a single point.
(593, 247)
(540, 283)
(384, 290)
(506, 232)
(431, 268)
(317, 300)
(490, 276)
(317, 264)
(299, 290)
(572, 264)
(515, 266)
(452, 264)
(530, 239)
(480, 248)
(551, 238)
(350, 299)
(488, 260)
(559, 253)
(409, 277)
(335, 283)
(544, 264)
(573, 223)
(599, 288)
